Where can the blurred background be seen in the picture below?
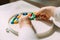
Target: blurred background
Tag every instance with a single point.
(42, 2)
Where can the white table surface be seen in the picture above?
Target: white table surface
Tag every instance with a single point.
(6, 11)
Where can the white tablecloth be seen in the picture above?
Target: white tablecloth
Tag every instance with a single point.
(7, 10)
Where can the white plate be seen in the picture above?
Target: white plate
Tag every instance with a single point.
(42, 28)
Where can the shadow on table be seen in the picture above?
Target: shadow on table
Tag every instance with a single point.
(57, 29)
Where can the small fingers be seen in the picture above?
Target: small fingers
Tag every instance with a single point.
(24, 20)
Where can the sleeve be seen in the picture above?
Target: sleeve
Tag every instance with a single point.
(57, 14)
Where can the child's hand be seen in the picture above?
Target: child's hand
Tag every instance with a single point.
(24, 21)
(45, 13)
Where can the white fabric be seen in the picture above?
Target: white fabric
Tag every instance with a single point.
(26, 33)
(8, 10)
